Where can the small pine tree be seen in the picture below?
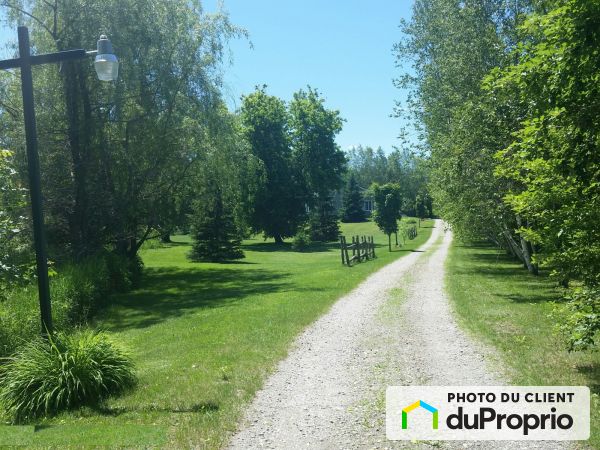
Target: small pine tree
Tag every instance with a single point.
(216, 237)
(353, 211)
(324, 226)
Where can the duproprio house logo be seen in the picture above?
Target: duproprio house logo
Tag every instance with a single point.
(422, 404)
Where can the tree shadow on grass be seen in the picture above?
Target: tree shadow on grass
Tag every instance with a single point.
(175, 244)
(170, 292)
(530, 298)
(202, 408)
(486, 259)
(269, 247)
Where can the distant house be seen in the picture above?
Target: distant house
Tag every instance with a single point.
(368, 204)
(368, 201)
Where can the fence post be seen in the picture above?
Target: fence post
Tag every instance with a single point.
(360, 256)
(346, 253)
(342, 248)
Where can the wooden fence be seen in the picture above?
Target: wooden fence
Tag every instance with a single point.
(362, 247)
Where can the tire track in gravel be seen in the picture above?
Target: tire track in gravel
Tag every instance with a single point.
(329, 392)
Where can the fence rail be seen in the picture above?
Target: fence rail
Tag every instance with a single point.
(362, 247)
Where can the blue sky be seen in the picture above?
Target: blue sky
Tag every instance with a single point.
(342, 48)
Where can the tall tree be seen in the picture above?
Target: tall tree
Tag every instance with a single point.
(279, 205)
(318, 157)
(313, 131)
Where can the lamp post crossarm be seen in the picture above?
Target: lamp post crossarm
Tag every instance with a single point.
(47, 58)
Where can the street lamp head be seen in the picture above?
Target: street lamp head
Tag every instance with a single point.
(106, 63)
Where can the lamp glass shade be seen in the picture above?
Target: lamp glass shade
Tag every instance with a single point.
(107, 67)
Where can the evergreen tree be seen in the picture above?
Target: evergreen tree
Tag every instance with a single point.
(216, 237)
(324, 224)
(353, 211)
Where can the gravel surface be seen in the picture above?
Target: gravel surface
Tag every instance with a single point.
(329, 393)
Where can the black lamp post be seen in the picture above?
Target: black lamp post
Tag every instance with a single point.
(107, 67)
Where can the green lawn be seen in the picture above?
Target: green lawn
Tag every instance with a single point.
(204, 337)
(498, 301)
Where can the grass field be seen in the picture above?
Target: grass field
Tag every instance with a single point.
(497, 300)
(204, 337)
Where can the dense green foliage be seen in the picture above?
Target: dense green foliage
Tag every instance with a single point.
(313, 130)
(323, 222)
(46, 377)
(353, 202)
(301, 240)
(15, 252)
(79, 290)
(278, 208)
(423, 205)
(507, 94)
(302, 163)
(553, 163)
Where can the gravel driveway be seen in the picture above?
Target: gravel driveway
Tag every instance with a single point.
(329, 393)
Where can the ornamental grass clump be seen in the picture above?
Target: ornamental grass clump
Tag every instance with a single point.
(64, 372)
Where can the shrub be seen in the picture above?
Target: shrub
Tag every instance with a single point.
(578, 317)
(152, 244)
(77, 292)
(78, 289)
(124, 272)
(67, 371)
(301, 241)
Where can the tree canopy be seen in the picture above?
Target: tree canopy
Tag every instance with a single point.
(279, 206)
